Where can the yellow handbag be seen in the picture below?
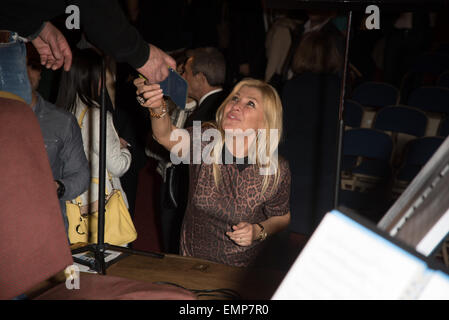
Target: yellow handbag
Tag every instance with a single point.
(78, 229)
(118, 228)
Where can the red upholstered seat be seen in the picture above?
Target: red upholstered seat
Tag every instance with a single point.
(96, 287)
(33, 243)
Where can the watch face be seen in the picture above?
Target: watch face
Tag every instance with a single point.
(262, 235)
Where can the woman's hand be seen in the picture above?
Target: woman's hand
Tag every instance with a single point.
(151, 93)
(244, 233)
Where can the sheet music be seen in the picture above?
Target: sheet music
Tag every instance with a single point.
(345, 260)
(437, 288)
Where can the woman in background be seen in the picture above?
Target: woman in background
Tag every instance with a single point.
(79, 93)
(311, 100)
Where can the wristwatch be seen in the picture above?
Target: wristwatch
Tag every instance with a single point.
(61, 189)
(262, 234)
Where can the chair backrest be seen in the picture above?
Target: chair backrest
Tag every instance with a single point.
(417, 153)
(375, 94)
(369, 143)
(352, 113)
(401, 119)
(443, 80)
(34, 244)
(430, 99)
(420, 150)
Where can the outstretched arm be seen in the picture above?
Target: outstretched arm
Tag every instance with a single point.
(160, 121)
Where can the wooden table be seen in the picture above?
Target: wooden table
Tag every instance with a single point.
(192, 273)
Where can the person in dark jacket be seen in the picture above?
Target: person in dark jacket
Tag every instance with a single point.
(205, 73)
(63, 141)
(102, 20)
(310, 101)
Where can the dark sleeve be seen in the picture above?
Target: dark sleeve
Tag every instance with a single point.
(279, 202)
(102, 20)
(26, 16)
(76, 172)
(108, 28)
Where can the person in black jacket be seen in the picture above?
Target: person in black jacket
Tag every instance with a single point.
(104, 24)
(310, 101)
(205, 73)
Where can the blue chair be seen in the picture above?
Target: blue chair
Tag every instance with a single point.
(373, 146)
(443, 80)
(401, 119)
(443, 129)
(418, 152)
(364, 184)
(404, 123)
(375, 94)
(430, 99)
(352, 113)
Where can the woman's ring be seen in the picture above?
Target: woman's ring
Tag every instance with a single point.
(140, 99)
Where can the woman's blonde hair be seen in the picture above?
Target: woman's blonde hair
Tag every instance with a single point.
(264, 148)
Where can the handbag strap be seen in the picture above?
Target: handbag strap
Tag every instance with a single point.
(81, 118)
(77, 201)
(97, 181)
(80, 123)
(94, 180)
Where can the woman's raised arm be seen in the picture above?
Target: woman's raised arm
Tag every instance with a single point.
(160, 119)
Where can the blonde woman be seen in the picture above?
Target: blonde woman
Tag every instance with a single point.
(238, 190)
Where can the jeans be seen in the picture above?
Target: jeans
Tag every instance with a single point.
(13, 69)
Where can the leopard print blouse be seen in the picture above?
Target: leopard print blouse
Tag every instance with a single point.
(212, 211)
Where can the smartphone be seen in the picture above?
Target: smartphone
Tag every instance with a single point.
(174, 87)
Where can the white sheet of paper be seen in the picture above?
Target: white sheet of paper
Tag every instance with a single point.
(437, 288)
(345, 260)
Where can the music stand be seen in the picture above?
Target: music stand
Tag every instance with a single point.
(99, 248)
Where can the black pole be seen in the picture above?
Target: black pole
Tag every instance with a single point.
(340, 111)
(102, 174)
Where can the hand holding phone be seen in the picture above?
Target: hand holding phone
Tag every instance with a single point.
(175, 87)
